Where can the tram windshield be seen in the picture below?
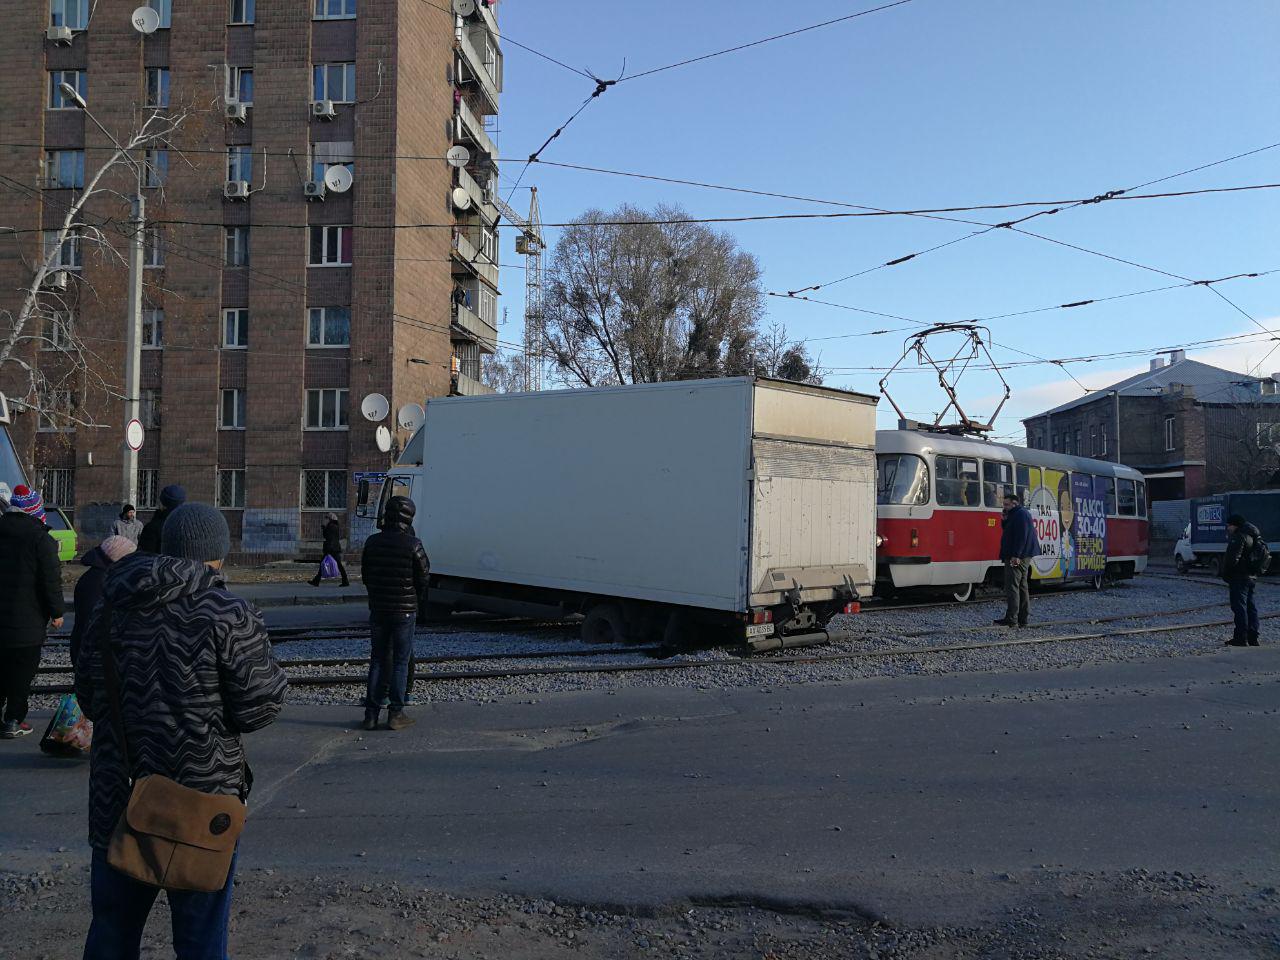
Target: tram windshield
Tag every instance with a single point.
(901, 478)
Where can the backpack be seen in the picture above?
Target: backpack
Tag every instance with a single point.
(1258, 559)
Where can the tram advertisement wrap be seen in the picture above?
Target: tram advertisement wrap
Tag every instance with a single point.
(1071, 524)
(1046, 511)
(1089, 526)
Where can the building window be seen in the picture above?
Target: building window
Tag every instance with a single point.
(231, 414)
(329, 327)
(149, 408)
(235, 329)
(1093, 441)
(241, 11)
(64, 169)
(152, 329)
(240, 85)
(69, 13)
(148, 489)
(156, 165)
(1102, 433)
(1168, 434)
(334, 81)
(335, 154)
(66, 256)
(468, 357)
(152, 247)
(488, 306)
(78, 81)
(55, 411)
(237, 247)
(330, 246)
(240, 163)
(335, 9)
(57, 333)
(231, 489)
(327, 409)
(157, 86)
(489, 244)
(324, 490)
(58, 487)
(165, 9)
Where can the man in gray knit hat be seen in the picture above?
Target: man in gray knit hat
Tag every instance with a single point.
(197, 672)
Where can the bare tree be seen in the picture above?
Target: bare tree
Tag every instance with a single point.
(777, 355)
(505, 375)
(1243, 444)
(630, 300)
(43, 357)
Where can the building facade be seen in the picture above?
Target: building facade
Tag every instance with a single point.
(1193, 429)
(273, 301)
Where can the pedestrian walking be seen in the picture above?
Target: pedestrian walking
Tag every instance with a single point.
(1018, 546)
(30, 600)
(127, 525)
(394, 568)
(171, 498)
(89, 587)
(1245, 559)
(172, 671)
(332, 533)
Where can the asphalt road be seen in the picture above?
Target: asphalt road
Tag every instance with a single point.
(914, 798)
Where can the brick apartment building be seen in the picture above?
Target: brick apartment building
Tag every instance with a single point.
(272, 304)
(1191, 428)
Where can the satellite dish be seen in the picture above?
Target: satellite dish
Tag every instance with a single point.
(375, 407)
(146, 20)
(338, 179)
(410, 416)
(461, 199)
(383, 436)
(464, 8)
(458, 156)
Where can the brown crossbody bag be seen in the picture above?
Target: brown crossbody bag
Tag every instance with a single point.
(169, 836)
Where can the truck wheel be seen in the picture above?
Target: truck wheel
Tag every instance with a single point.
(604, 623)
(1179, 564)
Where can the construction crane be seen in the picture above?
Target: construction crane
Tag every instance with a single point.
(530, 244)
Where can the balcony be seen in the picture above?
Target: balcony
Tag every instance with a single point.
(464, 386)
(479, 196)
(466, 251)
(475, 327)
(468, 128)
(475, 72)
(490, 21)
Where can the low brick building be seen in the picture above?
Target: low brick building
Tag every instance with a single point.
(1191, 428)
(273, 304)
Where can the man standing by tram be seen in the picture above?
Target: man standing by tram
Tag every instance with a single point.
(1018, 546)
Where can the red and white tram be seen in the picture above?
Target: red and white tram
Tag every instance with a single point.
(939, 500)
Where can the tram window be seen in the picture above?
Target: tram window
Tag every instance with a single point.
(1028, 478)
(1109, 493)
(1127, 497)
(1142, 499)
(901, 479)
(958, 484)
(997, 479)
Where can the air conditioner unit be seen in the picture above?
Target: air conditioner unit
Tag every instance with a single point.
(314, 190)
(323, 110)
(237, 112)
(59, 35)
(236, 190)
(54, 280)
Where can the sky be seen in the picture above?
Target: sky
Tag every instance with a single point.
(933, 103)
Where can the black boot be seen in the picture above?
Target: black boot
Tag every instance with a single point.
(1237, 640)
(1253, 638)
(370, 720)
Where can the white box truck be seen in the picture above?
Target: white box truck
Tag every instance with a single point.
(656, 510)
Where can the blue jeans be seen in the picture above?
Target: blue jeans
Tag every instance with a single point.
(121, 905)
(389, 661)
(1244, 609)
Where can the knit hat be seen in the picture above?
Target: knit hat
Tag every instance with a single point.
(1235, 520)
(127, 509)
(117, 548)
(196, 531)
(28, 501)
(173, 496)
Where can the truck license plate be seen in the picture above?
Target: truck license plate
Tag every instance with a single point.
(760, 630)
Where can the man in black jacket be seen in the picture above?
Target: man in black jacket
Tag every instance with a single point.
(1018, 546)
(1236, 570)
(394, 569)
(30, 599)
(171, 498)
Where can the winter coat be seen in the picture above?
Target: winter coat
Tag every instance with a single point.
(1018, 535)
(129, 529)
(333, 539)
(88, 593)
(149, 539)
(394, 568)
(30, 581)
(196, 671)
(1235, 562)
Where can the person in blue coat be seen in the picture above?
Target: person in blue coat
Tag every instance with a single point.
(1018, 546)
